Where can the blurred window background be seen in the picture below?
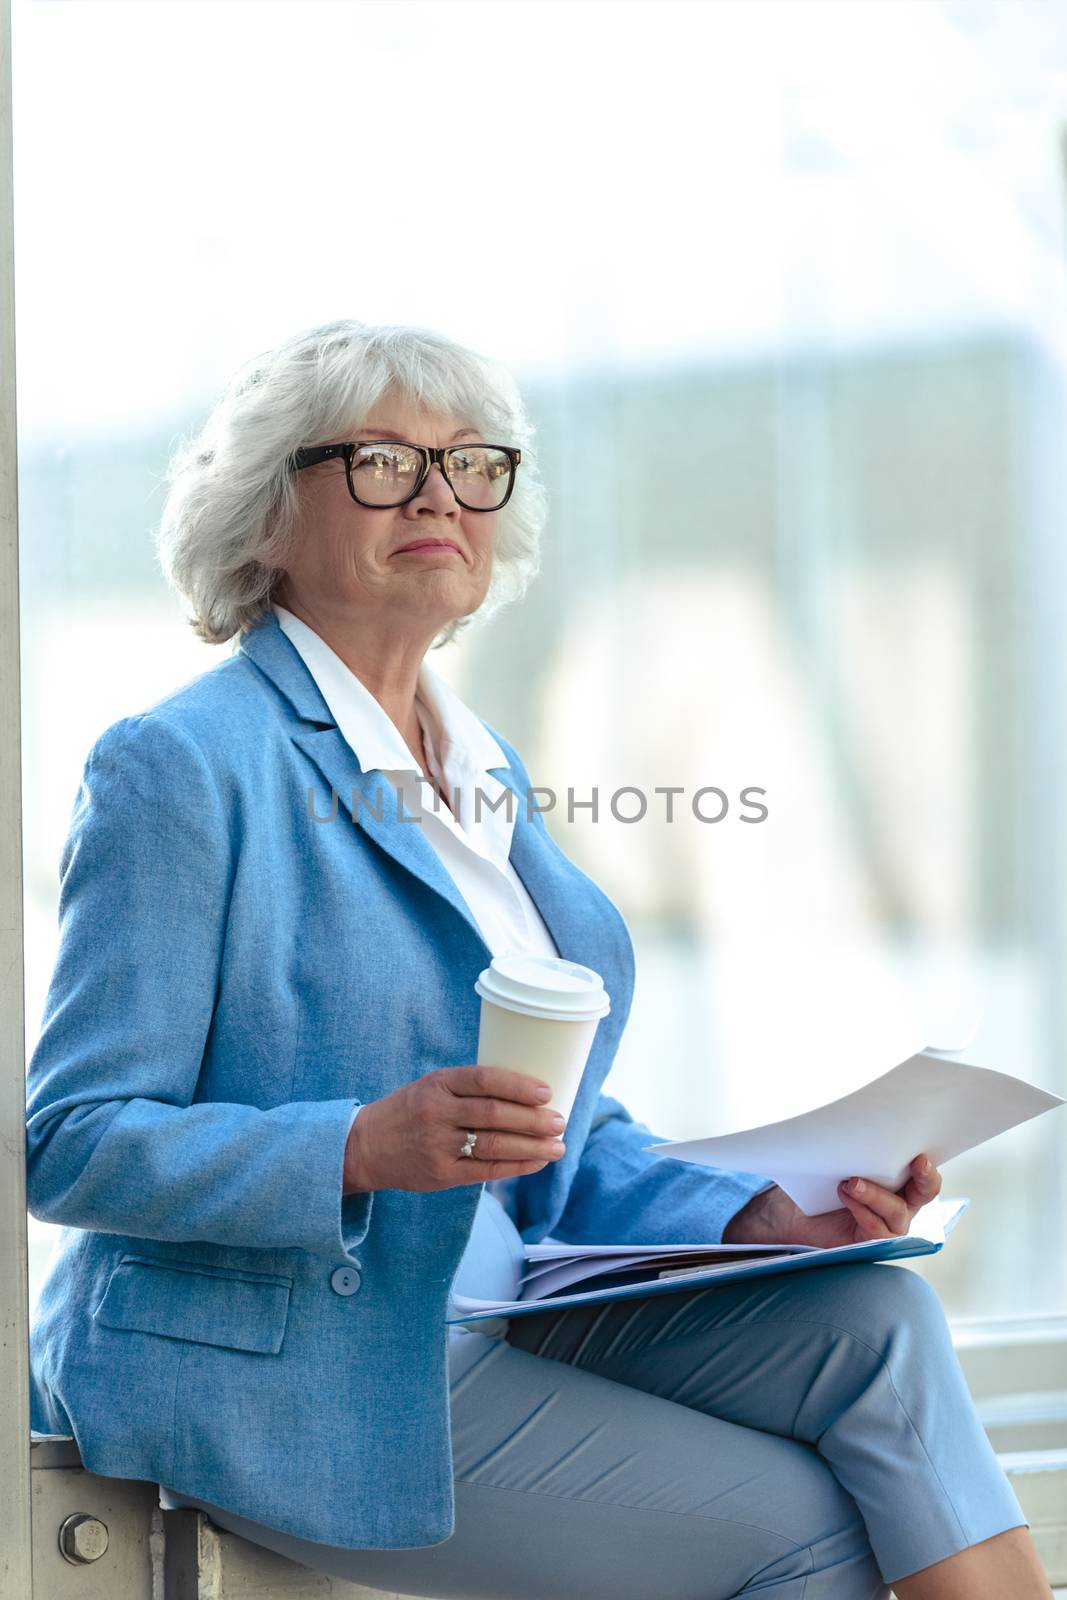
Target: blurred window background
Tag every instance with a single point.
(783, 286)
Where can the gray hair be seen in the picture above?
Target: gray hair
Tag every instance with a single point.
(232, 511)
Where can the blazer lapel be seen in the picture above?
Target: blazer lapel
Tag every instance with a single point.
(397, 831)
(543, 869)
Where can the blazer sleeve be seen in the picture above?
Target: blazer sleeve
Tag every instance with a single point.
(114, 1140)
(622, 1194)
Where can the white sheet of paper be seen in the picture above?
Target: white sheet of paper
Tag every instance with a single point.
(927, 1104)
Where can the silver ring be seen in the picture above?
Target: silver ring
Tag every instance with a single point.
(468, 1148)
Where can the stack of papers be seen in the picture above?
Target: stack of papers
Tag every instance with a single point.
(559, 1274)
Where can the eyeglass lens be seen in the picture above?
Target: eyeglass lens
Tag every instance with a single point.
(385, 474)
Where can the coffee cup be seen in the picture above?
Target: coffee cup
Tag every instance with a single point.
(539, 1015)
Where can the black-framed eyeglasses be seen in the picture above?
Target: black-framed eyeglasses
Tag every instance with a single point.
(382, 473)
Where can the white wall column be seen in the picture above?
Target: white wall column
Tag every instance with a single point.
(16, 1576)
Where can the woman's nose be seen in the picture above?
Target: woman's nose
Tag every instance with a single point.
(438, 488)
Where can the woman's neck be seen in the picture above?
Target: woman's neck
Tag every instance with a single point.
(386, 661)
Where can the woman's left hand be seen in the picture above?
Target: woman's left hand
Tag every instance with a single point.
(872, 1213)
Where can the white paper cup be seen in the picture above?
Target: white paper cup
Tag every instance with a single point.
(539, 1015)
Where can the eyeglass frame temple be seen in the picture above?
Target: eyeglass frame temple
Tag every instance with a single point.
(314, 455)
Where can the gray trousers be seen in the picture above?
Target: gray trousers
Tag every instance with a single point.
(806, 1436)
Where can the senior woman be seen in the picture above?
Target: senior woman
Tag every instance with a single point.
(254, 1110)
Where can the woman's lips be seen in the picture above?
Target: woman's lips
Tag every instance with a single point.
(426, 544)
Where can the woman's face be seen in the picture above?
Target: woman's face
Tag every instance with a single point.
(349, 557)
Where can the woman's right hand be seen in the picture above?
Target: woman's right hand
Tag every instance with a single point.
(411, 1139)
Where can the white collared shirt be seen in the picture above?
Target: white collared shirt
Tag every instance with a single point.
(474, 850)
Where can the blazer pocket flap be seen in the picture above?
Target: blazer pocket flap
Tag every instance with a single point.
(208, 1305)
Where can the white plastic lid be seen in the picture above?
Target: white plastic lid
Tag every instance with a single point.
(544, 986)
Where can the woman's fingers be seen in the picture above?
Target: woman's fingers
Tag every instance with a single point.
(479, 1111)
(501, 1083)
(924, 1184)
(871, 1223)
(866, 1199)
(493, 1146)
(893, 1209)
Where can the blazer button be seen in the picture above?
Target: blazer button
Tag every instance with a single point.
(344, 1280)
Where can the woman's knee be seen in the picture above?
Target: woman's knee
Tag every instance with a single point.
(882, 1303)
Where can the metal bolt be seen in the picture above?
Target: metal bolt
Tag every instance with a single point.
(82, 1538)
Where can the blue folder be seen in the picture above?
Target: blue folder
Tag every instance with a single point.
(899, 1247)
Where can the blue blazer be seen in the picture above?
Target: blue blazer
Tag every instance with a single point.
(234, 975)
